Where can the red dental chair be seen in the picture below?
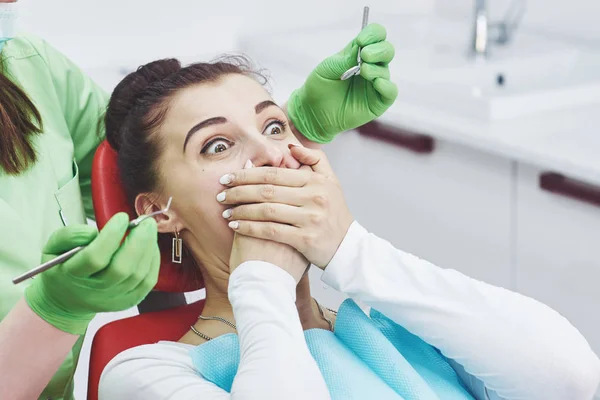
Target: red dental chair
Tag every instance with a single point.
(154, 323)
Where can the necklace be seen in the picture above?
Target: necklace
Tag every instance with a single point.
(202, 335)
(215, 318)
(231, 324)
(329, 322)
(223, 320)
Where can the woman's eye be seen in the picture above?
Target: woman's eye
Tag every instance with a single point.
(216, 146)
(274, 128)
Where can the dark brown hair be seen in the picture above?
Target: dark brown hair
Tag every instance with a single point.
(19, 122)
(137, 108)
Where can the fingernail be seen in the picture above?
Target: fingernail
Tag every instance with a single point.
(221, 196)
(234, 224)
(292, 145)
(226, 179)
(227, 213)
(248, 164)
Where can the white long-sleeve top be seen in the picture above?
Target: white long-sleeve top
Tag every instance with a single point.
(498, 341)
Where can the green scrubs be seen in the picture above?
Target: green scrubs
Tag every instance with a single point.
(56, 191)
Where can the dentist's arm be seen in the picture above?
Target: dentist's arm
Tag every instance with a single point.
(39, 332)
(27, 362)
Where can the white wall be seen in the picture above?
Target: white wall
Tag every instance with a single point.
(98, 33)
(574, 18)
(129, 32)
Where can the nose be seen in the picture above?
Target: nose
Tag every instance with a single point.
(270, 153)
(267, 154)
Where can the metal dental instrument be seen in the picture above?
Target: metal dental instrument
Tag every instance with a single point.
(356, 69)
(138, 220)
(65, 256)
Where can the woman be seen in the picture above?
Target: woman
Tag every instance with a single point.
(49, 114)
(186, 132)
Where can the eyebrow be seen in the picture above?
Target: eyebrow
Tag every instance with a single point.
(203, 124)
(260, 107)
(265, 104)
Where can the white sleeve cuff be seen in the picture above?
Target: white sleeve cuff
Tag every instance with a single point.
(345, 256)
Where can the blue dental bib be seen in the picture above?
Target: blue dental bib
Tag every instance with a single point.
(366, 358)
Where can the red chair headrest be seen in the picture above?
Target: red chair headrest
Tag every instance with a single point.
(118, 336)
(109, 198)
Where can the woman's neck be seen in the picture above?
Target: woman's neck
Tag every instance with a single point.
(308, 309)
(217, 305)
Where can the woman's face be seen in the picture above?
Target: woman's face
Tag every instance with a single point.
(209, 130)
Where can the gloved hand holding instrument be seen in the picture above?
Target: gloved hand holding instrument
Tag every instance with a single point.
(106, 274)
(347, 89)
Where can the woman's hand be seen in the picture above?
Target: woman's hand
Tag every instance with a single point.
(246, 248)
(303, 208)
(325, 105)
(105, 276)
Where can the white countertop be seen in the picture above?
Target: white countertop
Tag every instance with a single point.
(566, 142)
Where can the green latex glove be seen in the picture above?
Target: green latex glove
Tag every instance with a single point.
(105, 276)
(325, 105)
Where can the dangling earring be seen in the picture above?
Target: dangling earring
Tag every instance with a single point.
(176, 253)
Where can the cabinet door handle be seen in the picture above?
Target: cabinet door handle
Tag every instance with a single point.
(575, 189)
(413, 141)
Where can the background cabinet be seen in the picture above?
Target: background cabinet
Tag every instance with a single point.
(558, 252)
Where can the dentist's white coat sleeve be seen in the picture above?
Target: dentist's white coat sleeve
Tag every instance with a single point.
(519, 348)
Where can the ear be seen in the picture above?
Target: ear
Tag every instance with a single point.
(146, 203)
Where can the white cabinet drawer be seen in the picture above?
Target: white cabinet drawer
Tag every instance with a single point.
(450, 206)
(558, 248)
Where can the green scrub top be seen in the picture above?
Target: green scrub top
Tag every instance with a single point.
(56, 191)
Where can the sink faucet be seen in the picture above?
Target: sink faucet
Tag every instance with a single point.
(480, 30)
(500, 33)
